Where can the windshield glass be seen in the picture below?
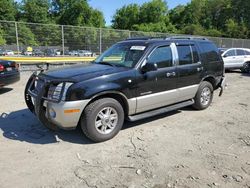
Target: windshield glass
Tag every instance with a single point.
(126, 55)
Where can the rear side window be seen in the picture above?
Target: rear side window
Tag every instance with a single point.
(162, 56)
(187, 54)
(231, 53)
(247, 52)
(240, 52)
(210, 51)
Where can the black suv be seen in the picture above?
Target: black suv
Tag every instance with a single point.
(134, 79)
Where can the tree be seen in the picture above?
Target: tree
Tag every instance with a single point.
(151, 16)
(35, 11)
(8, 10)
(126, 17)
(77, 12)
(2, 40)
(154, 11)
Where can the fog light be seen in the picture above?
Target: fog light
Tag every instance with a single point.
(52, 113)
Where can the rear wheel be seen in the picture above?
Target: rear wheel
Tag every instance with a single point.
(204, 96)
(102, 119)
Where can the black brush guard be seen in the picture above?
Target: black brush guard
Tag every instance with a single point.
(39, 94)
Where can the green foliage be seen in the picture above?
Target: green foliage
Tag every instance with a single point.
(8, 10)
(77, 12)
(126, 17)
(2, 40)
(25, 35)
(149, 17)
(35, 11)
(154, 11)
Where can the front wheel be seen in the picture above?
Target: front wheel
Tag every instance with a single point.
(204, 96)
(245, 68)
(102, 119)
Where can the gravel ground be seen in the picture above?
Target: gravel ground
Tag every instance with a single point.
(185, 148)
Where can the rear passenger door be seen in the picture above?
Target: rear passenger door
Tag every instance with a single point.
(240, 57)
(189, 70)
(229, 59)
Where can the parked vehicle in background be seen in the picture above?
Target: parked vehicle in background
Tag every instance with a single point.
(8, 53)
(73, 53)
(237, 58)
(27, 53)
(38, 52)
(53, 52)
(222, 50)
(85, 53)
(134, 79)
(9, 73)
(1, 52)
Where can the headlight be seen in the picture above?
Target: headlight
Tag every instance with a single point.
(56, 90)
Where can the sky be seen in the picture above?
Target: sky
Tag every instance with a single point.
(108, 7)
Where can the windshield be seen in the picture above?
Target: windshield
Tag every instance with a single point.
(125, 55)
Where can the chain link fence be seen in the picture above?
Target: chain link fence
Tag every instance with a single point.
(19, 37)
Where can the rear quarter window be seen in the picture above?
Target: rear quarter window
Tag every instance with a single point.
(210, 52)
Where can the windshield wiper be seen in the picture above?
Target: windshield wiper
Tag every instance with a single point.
(105, 63)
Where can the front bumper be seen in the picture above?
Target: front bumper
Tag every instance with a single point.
(65, 115)
(52, 113)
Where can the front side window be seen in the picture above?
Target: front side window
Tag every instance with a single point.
(230, 53)
(125, 55)
(162, 56)
(240, 52)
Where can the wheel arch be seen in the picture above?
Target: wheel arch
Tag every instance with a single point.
(120, 97)
(212, 80)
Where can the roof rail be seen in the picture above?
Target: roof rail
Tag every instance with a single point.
(186, 37)
(145, 38)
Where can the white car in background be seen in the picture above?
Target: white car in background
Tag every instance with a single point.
(84, 53)
(8, 53)
(237, 58)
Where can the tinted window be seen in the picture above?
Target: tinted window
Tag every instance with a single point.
(196, 58)
(210, 51)
(162, 56)
(185, 55)
(230, 53)
(240, 52)
(247, 52)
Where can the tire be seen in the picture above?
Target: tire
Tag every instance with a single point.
(93, 126)
(204, 96)
(245, 68)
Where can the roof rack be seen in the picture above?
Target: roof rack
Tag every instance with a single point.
(168, 38)
(144, 38)
(186, 37)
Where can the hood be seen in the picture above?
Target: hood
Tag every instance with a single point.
(83, 71)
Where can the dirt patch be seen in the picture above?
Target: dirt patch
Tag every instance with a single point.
(185, 148)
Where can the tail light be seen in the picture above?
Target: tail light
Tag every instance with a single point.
(1, 68)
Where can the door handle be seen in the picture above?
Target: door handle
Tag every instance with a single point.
(200, 69)
(170, 74)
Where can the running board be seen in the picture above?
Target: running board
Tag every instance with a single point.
(160, 111)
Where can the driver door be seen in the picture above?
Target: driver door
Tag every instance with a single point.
(157, 88)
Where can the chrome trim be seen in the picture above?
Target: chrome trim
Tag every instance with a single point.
(132, 104)
(65, 120)
(161, 99)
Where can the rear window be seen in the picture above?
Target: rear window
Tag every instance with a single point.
(210, 51)
(240, 52)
